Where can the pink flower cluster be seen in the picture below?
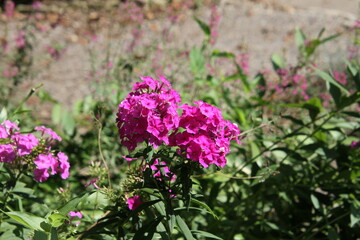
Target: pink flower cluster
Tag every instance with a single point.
(134, 202)
(20, 40)
(150, 113)
(207, 135)
(340, 77)
(297, 83)
(131, 12)
(243, 61)
(18, 145)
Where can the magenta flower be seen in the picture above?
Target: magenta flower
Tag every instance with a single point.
(207, 135)
(355, 144)
(24, 143)
(3, 132)
(64, 165)
(7, 153)
(134, 202)
(41, 174)
(48, 131)
(10, 126)
(93, 182)
(129, 159)
(149, 113)
(75, 215)
(46, 162)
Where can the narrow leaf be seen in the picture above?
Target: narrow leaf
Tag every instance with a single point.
(204, 27)
(184, 228)
(205, 234)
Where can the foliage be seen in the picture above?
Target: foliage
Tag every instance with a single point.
(295, 174)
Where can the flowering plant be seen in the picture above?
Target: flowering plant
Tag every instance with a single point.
(26, 151)
(169, 141)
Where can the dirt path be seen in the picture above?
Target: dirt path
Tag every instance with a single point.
(258, 27)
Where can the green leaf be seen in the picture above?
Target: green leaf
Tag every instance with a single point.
(162, 231)
(3, 115)
(260, 83)
(205, 234)
(347, 101)
(184, 228)
(330, 79)
(39, 235)
(355, 213)
(204, 205)
(68, 122)
(322, 41)
(332, 234)
(335, 94)
(243, 78)
(71, 205)
(53, 234)
(46, 97)
(217, 53)
(149, 229)
(197, 62)
(204, 27)
(255, 151)
(56, 219)
(313, 105)
(28, 220)
(351, 68)
(56, 113)
(278, 62)
(160, 206)
(315, 201)
(300, 38)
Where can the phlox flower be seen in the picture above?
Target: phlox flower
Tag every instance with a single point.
(24, 143)
(10, 127)
(148, 113)
(48, 131)
(3, 132)
(7, 153)
(64, 165)
(134, 202)
(206, 138)
(46, 162)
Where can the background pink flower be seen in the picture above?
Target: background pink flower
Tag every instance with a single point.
(134, 202)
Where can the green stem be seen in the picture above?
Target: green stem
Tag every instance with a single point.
(32, 91)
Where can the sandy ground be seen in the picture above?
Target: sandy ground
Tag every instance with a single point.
(259, 27)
